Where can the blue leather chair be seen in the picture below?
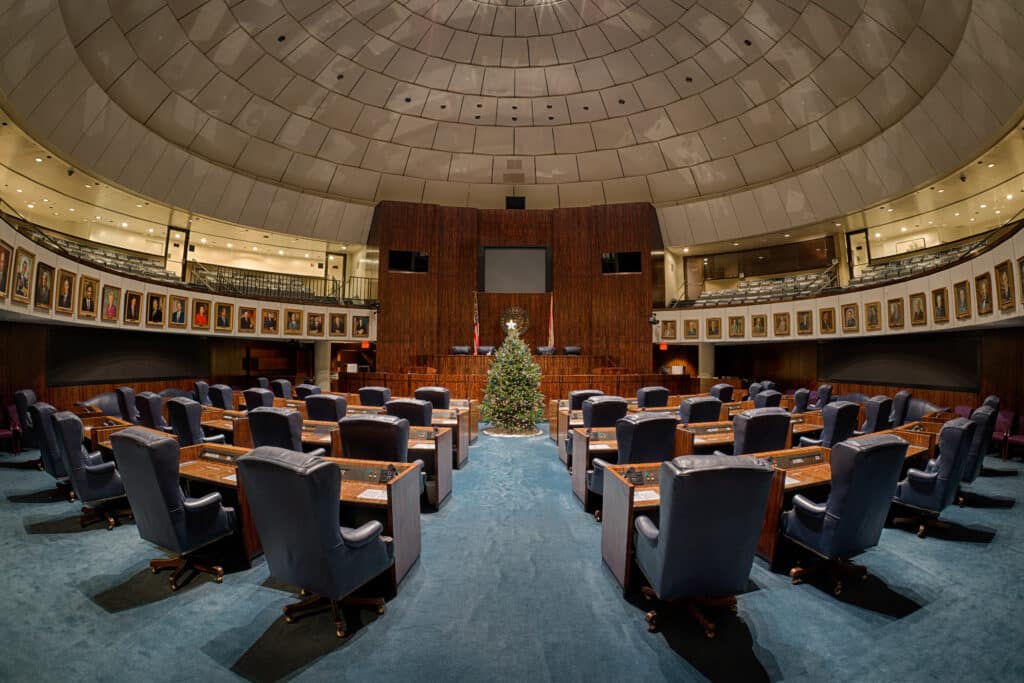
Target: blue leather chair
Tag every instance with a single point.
(652, 397)
(824, 396)
(877, 410)
(102, 404)
(282, 388)
(326, 407)
(927, 493)
(865, 471)
(126, 404)
(96, 484)
(572, 350)
(697, 409)
(462, 350)
(840, 421)
(304, 391)
(992, 401)
(23, 398)
(374, 396)
(164, 516)
(294, 503)
(171, 392)
(598, 411)
(918, 408)
(485, 350)
(380, 437)
(279, 427)
(151, 411)
(221, 396)
(186, 421)
(545, 350)
(641, 437)
(723, 392)
(753, 390)
(702, 548)
(985, 419)
(900, 403)
(800, 399)
(767, 385)
(49, 452)
(578, 396)
(759, 430)
(439, 397)
(767, 398)
(418, 413)
(258, 398)
(262, 382)
(202, 393)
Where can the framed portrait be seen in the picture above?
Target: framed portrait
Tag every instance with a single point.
(962, 300)
(178, 315)
(338, 322)
(691, 330)
(44, 286)
(6, 258)
(268, 324)
(918, 314)
(668, 329)
(713, 328)
(940, 305)
(246, 319)
(827, 320)
(88, 293)
(222, 322)
(736, 326)
(200, 314)
(1005, 291)
(132, 307)
(156, 309)
(110, 303)
(780, 324)
(759, 325)
(360, 326)
(983, 293)
(315, 324)
(292, 321)
(65, 292)
(851, 317)
(24, 263)
(895, 311)
(873, 316)
(804, 322)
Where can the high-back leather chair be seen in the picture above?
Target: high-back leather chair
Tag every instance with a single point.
(97, 484)
(294, 503)
(280, 427)
(824, 396)
(759, 430)
(865, 471)
(374, 396)
(578, 396)
(641, 437)
(282, 388)
(918, 408)
(753, 390)
(702, 547)
(263, 382)
(222, 396)
(929, 491)
(651, 397)
(102, 404)
(326, 407)
(23, 398)
(697, 409)
(186, 421)
(485, 350)
(375, 437)
(767, 385)
(258, 398)
(439, 397)
(768, 398)
(202, 393)
(460, 350)
(900, 403)
(722, 391)
(985, 420)
(800, 399)
(172, 392)
(603, 411)
(151, 411)
(42, 414)
(840, 421)
(164, 516)
(876, 414)
(304, 391)
(572, 350)
(126, 404)
(992, 401)
(418, 413)
(545, 350)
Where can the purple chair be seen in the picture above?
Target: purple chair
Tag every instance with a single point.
(1001, 433)
(12, 432)
(962, 411)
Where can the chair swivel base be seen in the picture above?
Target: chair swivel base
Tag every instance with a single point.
(693, 607)
(314, 603)
(180, 565)
(91, 515)
(837, 571)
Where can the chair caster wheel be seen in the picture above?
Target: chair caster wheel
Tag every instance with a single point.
(734, 609)
(380, 610)
(174, 587)
(340, 633)
(303, 592)
(289, 620)
(218, 579)
(921, 531)
(652, 621)
(152, 570)
(837, 590)
(709, 634)
(597, 515)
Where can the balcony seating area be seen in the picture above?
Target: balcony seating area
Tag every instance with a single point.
(917, 263)
(262, 285)
(750, 291)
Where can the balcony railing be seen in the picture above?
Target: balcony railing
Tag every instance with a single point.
(262, 285)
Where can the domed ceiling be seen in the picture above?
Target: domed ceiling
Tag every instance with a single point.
(734, 117)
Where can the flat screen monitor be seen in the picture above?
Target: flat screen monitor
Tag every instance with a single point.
(408, 261)
(621, 262)
(515, 270)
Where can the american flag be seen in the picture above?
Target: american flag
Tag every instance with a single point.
(476, 325)
(551, 321)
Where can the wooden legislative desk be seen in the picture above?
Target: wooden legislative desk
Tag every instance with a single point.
(598, 443)
(557, 425)
(98, 428)
(707, 436)
(106, 446)
(452, 364)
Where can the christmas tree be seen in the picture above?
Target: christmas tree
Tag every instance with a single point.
(513, 403)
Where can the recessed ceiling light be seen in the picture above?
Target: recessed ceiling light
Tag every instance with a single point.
(957, 213)
(124, 225)
(941, 190)
(138, 206)
(97, 218)
(18, 191)
(839, 224)
(88, 185)
(230, 245)
(1009, 196)
(255, 249)
(305, 256)
(998, 211)
(889, 210)
(330, 258)
(202, 241)
(972, 220)
(177, 235)
(38, 160)
(984, 206)
(930, 222)
(151, 231)
(787, 234)
(72, 209)
(735, 244)
(903, 229)
(31, 206)
(686, 250)
(280, 252)
(878, 234)
(991, 165)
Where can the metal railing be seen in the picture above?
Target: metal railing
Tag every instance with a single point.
(361, 289)
(263, 285)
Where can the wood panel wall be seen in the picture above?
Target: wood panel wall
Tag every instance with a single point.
(424, 314)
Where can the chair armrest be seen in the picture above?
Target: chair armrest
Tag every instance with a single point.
(101, 468)
(216, 438)
(202, 512)
(856, 432)
(932, 466)
(318, 453)
(599, 464)
(94, 458)
(168, 428)
(720, 453)
(196, 505)
(365, 534)
(922, 480)
(646, 527)
(807, 510)
(807, 441)
(423, 465)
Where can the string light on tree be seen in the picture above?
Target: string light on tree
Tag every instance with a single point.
(513, 403)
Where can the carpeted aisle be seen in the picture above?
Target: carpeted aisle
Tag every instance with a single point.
(510, 586)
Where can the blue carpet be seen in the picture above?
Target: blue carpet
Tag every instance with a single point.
(510, 585)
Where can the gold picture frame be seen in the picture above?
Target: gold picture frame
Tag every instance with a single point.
(338, 324)
(24, 271)
(918, 310)
(88, 297)
(668, 329)
(1006, 295)
(736, 325)
(6, 268)
(827, 320)
(896, 318)
(156, 309)
(247, 319)
(177, 311)
(691, 328)
(940, 305)
(759, 325)
(200, 314)
(293, 320)
(132, 307)
(110, 304)
(983, 293)
(873, 316)
(962, 300)
(224, 320)
(713, 328)
(270, 319)
(65, 301)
